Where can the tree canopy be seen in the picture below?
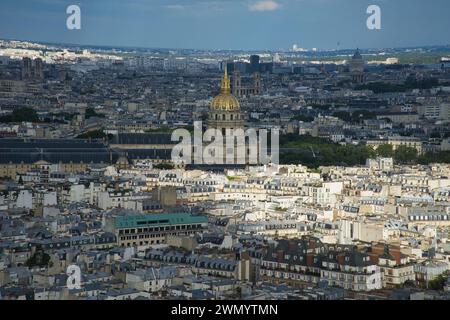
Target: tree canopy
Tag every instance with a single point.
(21, 114)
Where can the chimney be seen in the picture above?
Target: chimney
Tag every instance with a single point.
(280, 255)
(292, 246)
(341, 259)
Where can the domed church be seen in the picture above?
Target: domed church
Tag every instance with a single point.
(356, 67)
(357, 63)
(225, 110)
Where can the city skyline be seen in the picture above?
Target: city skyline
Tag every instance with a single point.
(235, 25)
(135, 168)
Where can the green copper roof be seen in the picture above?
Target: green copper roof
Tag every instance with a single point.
(160, 219)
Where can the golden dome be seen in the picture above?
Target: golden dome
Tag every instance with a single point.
(225, 101)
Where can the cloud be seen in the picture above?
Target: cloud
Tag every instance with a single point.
(175, 7)
(266, 5)
(196, 6)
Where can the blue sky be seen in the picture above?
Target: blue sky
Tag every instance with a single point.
(229, 24)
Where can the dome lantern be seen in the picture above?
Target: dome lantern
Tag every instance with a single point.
(225, 101)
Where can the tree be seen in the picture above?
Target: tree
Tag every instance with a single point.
(94, 134)
(90, 112)
(25, 114)
(40, 259)
(362, 115)
(239, 292)
(435, 134)
(304, 118)
(409, 284)
(385, 150)
(21, 114)
(405, 155)
(314, 152)
(164, 166)
(435, 157)
(343, 115)
(439, 282)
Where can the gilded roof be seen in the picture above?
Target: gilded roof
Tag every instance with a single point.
(225, 101)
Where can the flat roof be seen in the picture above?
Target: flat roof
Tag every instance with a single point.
(160, 219)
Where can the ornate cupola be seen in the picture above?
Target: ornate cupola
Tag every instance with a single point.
(225, 110)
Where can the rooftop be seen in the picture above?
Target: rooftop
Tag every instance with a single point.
(134, 221)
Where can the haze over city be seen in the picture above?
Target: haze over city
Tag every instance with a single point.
(230, 24)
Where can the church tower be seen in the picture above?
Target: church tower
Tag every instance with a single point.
(237, 85)
(257, 82)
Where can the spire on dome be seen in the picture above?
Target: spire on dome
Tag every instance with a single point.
(225, 84)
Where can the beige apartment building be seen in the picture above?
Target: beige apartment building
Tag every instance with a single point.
(396, 142)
